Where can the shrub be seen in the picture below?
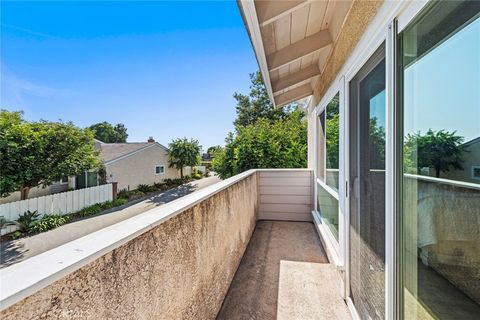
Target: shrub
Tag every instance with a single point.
(26, 221)
(145, 188)
(122, 194)
(197, 176)
(137, 193)
(5, 223)
(119, 202)
(88, 211)
(17, 234)
(49, 222)
(169, 182)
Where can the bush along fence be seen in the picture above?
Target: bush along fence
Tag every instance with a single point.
(58, 204)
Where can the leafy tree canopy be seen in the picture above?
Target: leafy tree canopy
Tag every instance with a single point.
(183, 152)
(256, 105)
(265, 144)
(440, 150)
(213, 150)
(264, 137)
(107, 133)
(39, 153)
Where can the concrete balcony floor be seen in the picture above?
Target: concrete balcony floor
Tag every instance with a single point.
(284, 274)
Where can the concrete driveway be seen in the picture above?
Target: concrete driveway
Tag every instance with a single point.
(21, 249)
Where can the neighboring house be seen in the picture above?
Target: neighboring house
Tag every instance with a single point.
(129, 164)
(59, 186)
(471, 164)
(133, 163)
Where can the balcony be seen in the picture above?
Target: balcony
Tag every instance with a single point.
(244, 248)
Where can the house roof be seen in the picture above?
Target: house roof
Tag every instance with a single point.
(113, 151)
(473, 141)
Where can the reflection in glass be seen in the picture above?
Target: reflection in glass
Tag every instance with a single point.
(440, 217)
(332, 142)
(328, 208)
(367, 192)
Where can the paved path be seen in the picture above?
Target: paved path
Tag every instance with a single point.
(21, 249)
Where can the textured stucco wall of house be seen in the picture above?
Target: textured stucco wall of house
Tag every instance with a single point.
(139, 168)
(471, 158)
(35, 192)
(358, 18)
(181, 269)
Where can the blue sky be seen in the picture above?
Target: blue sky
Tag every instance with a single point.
(442, 88)
(164, 69)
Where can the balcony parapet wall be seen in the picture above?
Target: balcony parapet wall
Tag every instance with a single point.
(172, 262)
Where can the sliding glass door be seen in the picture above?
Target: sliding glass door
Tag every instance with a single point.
(367, 188)
(439, 235)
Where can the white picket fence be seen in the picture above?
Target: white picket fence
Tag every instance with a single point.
(58, 203)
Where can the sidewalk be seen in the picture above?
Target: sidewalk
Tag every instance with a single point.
(17, 250)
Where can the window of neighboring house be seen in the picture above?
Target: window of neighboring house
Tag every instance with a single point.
(328, 153)
(475, 172)
(64, 180)
(159, 169)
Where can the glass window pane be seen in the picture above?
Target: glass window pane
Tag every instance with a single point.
(440, 217)
(328, 208)
(332, 123)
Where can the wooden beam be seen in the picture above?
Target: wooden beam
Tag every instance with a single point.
(298, 50)
(269, 11)
(294, 78)
(293, 95)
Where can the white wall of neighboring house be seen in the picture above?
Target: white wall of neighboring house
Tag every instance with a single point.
(41, 191)
(139, 168)
(471, 159)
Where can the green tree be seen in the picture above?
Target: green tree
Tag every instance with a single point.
(377, 144)
(333, 133)
(183, 152)
(39, 153)
(440, 150)
(265, 144)
(256, 104)
(213, 150)
(107, 133)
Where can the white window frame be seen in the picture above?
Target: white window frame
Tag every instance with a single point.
(62, 182)
(159, 166)
(335, 247)
(389, 21)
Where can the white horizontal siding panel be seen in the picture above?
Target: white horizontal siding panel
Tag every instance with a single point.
(281, 207)
(290, 199)
(285, 174)
(305, 182)
(285, 190)
(285, 216)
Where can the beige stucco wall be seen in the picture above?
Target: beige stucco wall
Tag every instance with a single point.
(180, 269)
(139, 168)
(39, 191)
(358, 18)
(471, 158)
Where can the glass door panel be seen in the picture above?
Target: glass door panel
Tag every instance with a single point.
(367, 188)
(440, 192)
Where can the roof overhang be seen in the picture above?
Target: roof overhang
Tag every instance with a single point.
(292, 40)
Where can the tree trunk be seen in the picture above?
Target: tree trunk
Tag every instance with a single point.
(437, 172)
(181, 172)
(24, 193)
